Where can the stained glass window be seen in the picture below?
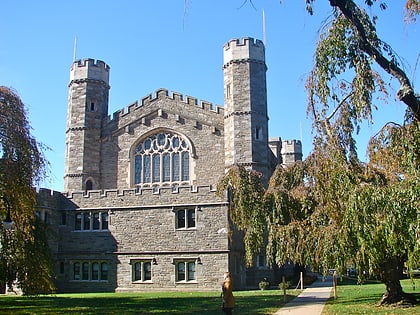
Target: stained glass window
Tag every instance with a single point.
(162, 158)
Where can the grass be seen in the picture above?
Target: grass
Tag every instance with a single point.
(171, 303)
(363, 299)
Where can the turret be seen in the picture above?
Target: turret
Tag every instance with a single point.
(245, 98)
(291, 151)
(87, 106)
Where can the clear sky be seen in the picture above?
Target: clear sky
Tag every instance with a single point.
(176, 45)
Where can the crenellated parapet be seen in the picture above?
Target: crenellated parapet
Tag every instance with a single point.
(291, 151)
(243, 49)
(163, 94)
(143, 197)
(89, 69)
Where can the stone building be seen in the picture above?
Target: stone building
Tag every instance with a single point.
(139, 209)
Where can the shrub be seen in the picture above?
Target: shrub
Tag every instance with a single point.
(264, 284)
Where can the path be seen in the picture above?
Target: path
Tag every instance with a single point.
(311, 301)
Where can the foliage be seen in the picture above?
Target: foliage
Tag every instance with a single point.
(351, 43)
(22, 165)
(332, 209)
(246, 206)
(264, 284)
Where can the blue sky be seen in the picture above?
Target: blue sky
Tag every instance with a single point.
(177, 45)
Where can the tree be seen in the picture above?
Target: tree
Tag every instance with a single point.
(374, 202)
(246, 206)
(333, 209)
(25, 254)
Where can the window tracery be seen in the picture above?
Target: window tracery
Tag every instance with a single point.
(162, 158)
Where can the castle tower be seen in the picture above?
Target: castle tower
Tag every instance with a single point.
(87, 106)
(245, 97)
(291, 151)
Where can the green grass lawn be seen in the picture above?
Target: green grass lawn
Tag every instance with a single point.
(182, 303)
(363, 299)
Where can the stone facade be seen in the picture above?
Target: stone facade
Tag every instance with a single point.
(139, 211)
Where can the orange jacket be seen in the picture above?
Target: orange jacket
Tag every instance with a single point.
(228, 300)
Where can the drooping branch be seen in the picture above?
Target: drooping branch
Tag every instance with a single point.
(406, 92)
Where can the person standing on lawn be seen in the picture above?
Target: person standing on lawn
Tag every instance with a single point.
(227, 295)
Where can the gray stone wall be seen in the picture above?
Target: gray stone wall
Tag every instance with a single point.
(141, 220)
(142, 225)
(201, 123)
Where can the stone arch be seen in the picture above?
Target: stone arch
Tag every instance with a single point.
(162, 157)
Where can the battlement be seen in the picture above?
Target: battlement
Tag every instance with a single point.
(89, 69)
(291, 151)
(162, 94)
(291, 145)
(143, 197)
(244, 48)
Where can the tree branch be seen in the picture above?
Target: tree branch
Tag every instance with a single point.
(406, 92)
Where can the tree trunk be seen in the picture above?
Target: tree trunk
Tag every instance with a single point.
(391, 271)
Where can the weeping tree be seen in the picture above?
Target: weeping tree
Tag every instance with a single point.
(333, 210)
(371, 207)
(24, 252)
(246, 206)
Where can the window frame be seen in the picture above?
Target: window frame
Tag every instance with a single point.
(141, 270)
(184, 266)
(84, 221)
(189, 217)
(82, 271)
(162, 158)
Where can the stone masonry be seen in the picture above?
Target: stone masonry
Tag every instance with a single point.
(119, 224)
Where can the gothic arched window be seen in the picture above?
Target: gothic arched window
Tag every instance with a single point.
(162, 158)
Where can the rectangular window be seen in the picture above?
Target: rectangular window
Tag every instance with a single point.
(89, 271)
(104, 271)
(137, 171)
(181, 219)
(228, 93)
(156, 168)
(185, 218)
(95, 271)
(85, 271)
(186, 271)
(185, 166)
(258, 132)
(78, 222)
(91, 221)
(175, 167)
(180, 276)
(147, 271)
(142, 271)
(96, 222)
(261, 261)
(191, 271)
(191, 218)
(166, 167)
(86, 221)
(76, 271)
(104, 220)
(137, 271)
(147, 168)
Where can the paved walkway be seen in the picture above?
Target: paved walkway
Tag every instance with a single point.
(311, 301)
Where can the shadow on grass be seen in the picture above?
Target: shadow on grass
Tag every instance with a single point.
(204, 303)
